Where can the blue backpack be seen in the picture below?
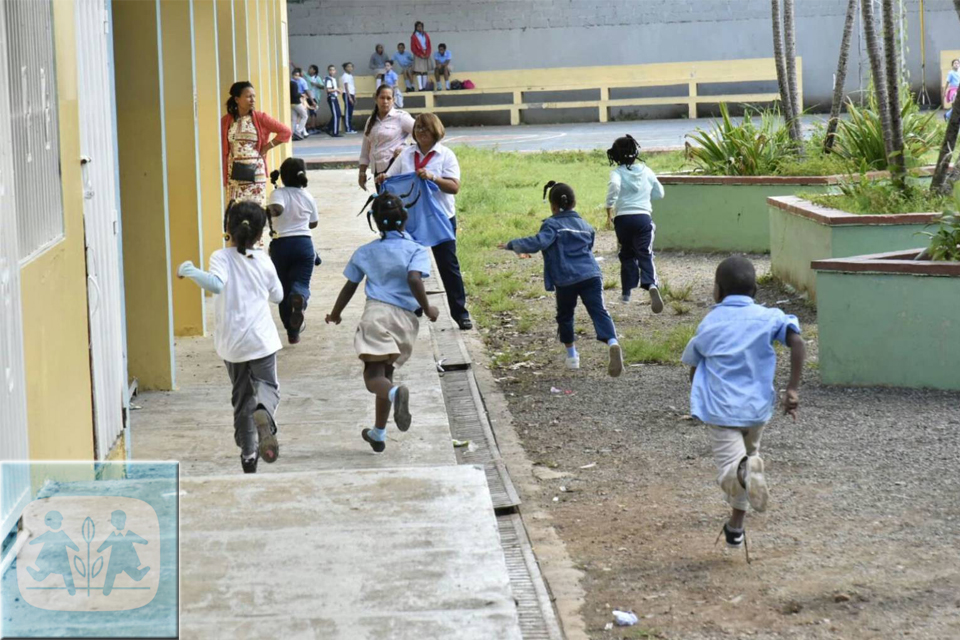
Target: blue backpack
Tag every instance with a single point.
(427, 223)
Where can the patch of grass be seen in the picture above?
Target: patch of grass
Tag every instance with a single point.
(766, 278)
(865, 196)
(679, 308)
(610, 283)
(662, 347)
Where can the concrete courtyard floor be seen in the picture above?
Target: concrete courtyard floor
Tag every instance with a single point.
(332, 540)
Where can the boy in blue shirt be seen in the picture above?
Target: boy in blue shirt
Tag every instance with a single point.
(733, 365)
(390, 78)
(403, 65)
(442, 59)
(569, 268)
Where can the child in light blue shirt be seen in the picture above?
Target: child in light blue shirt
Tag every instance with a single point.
(442, 69)
(733, 365)
(390, 78)
(394, 267)
(630, 191)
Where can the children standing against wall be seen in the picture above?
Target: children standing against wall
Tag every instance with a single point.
(632, 186)
(733, 365)
(394, 267)
(569, 268)
(292, 251)
(349, 96)
(245, 282)
(333, 100)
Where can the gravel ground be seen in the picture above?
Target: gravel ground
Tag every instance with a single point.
(862, 536)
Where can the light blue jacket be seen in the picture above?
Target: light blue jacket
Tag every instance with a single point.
(632, 188)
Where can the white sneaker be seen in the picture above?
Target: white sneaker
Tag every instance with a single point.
(573, 362)
(757, 492)
(656, 301)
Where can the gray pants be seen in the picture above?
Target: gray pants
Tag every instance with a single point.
(299, 117)
(730, 446)
(254, 385)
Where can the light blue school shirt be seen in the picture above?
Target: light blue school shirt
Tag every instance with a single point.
(404, 59)
(390, 78)
(385, 263)
(733, 353)
(302, 83)
(443, 59)
(632, 188)
(953, 78)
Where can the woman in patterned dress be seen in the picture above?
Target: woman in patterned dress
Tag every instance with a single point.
(245, 140)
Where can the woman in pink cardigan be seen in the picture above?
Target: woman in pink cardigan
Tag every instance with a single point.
(245, 140)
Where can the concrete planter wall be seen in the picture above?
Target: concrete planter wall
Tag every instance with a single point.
(888, 319)
(801, 232)
(721, 213)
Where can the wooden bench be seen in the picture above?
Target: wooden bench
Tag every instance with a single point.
(946, 57)
(518, 83)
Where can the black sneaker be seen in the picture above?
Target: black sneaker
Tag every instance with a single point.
(296, 312)
(401, 408)
(465, 324)
(269, 448)
(376, 445)
(734, 538)
(250, 466)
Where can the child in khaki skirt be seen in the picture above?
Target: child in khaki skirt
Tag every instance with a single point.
(394, 267)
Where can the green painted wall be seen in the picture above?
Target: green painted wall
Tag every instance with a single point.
(796, 241)
(889, 329)
(708, 217)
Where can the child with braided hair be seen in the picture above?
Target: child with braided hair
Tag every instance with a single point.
(394, 267)
(245, 282)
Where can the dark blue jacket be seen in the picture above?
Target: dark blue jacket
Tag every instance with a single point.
(566, 241)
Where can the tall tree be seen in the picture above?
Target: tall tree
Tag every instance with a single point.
(786, 103)
(878, 71)
(841, 76)
(790, 50)
(895, 159)
(940, 182)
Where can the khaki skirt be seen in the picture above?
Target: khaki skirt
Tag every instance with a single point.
(386, 333)
(422, 65)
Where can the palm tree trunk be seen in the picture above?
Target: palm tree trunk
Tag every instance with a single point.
(877, 69)
(895, 159)
(949, 141)
(786, 105)
(790, 42)
(841, 77)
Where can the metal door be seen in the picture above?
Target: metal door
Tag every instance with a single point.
(101, 207)
(15, 480)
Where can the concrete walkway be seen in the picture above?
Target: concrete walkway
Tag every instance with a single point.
(331, 541)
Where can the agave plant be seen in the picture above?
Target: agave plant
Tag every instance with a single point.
(745, 149)
(945, 241)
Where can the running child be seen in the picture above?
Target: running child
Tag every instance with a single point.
(733, 365)
(632, 186)
(294, 213)
(950, 87)
(245, 282)
(394, 267)
(570, 269)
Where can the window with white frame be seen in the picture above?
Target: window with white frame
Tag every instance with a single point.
(34, 123)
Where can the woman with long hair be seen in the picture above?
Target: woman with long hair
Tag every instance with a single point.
(245, 140)
(422, 61)
(386, 129)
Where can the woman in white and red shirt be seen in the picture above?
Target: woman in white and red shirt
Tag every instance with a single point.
(433, 161)
(386, 130)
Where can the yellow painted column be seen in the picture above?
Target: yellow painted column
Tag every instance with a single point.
(54, 290)
(225, 50)
(241, 40)
(267, 71)
(283, 64)
(206, 54)
(176, 22)
(147, 271)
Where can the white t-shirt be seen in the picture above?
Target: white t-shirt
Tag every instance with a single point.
(347, 81)
(245, 329)
(299, 210)
(443, 164)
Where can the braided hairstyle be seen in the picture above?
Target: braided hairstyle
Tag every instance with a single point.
(625, 151)
(561, 195)
(389, 214)
(293, 172)
(244, 222)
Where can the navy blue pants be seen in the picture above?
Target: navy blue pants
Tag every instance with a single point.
(591, 292)
(635, 234)
(347, 113)
(293, 258)
(334, 127)
(445, 254)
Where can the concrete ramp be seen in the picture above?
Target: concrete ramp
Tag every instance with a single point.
(394, 553)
